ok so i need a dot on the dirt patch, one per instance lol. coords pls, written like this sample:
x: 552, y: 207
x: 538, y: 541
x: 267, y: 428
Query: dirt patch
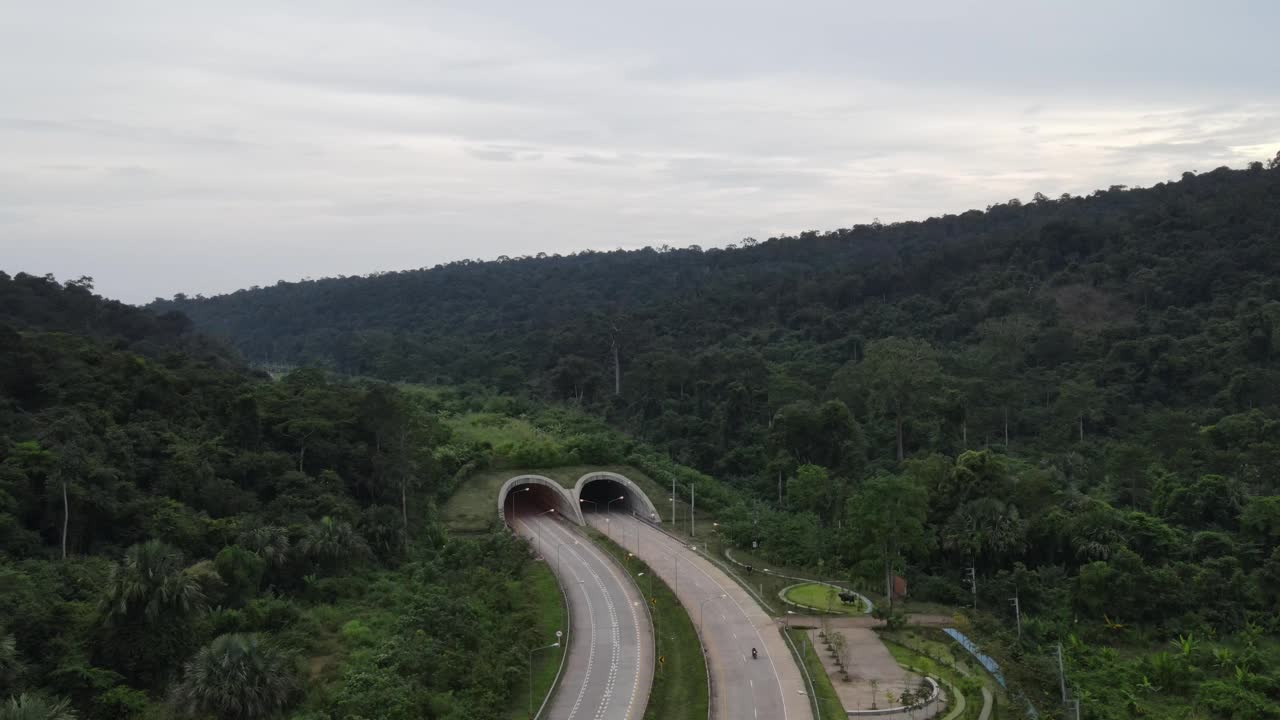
x: 1085, y: 306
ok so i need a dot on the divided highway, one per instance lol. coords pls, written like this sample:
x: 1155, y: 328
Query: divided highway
x: 768, y: 688
x: 609, y: 670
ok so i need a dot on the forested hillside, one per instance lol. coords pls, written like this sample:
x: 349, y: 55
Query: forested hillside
x: 180, y: 537
x: 1078, y: 398
x: 1031, y: 317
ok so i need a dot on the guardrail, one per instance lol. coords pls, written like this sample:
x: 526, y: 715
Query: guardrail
x: 804, y: 667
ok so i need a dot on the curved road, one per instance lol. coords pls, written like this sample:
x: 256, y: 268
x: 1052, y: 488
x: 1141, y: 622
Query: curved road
x: 609, y: 670
x: 742, y: 689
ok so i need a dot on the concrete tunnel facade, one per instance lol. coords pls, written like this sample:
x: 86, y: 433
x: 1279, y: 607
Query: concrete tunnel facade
x: 594, y: 488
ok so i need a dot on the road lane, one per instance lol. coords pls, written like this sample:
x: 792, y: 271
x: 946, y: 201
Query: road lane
x: 609, y: 670
x: 732, y: 623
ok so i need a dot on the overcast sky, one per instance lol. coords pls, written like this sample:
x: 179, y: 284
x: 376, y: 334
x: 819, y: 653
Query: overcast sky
x: 203, y: 147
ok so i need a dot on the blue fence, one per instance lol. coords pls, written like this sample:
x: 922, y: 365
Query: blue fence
x: 987, y: 662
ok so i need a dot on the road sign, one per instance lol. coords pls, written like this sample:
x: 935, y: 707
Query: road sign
x: 559, y: 634
x: 653, y: 601
x: 662, y: 659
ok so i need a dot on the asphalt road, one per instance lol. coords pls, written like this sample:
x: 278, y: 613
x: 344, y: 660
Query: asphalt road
x: 768, y: 688
x: 609, y: 669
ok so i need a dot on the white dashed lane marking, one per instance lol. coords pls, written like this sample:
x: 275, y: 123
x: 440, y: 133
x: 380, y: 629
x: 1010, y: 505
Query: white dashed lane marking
x: 605, y: 709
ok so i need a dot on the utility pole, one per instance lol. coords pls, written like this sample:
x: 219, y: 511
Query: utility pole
x: 973, y: 584
x: 1017, y: 613
x: 673, y: 503
x: 693, y: 507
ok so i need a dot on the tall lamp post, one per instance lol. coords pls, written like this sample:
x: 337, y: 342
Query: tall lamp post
x: 513, y: 502
x: 704, y: 601
x: 555, y: 644
x: 608, y: 511
x: 537, y: 536
x: 675, y: 561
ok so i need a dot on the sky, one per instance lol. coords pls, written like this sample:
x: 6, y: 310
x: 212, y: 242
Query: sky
x: 165, y: 147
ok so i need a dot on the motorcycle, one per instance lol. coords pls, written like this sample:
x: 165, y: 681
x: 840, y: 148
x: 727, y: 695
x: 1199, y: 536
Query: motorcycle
x: 753, y: 654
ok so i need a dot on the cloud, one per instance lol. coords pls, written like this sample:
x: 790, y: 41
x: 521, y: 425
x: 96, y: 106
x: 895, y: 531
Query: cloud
x: 180, y: 147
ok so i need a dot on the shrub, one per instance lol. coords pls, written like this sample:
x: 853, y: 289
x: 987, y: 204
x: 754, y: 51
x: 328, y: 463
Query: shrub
x: 242, y: 571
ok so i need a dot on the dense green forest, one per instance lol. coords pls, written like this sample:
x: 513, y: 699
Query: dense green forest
x: 1076, y: 397
x: 183, y: 537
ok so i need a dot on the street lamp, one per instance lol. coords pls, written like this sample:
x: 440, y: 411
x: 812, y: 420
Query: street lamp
x: 537, y: 536
x: 704, y: 602
x: 608, y: 511
x: 526, y: 488
x: 555, y: 644
x: 595, y: 505
x: 675, y: 560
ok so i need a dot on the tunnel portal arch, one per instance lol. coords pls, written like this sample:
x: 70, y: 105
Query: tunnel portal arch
x: 643, y: 506
x: 566, y: 501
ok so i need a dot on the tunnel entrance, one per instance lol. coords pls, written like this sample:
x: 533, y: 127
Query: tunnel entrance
x: 527, y: 495
x: 531, y: 499
x: 604, y: 495
x: 607, y: 492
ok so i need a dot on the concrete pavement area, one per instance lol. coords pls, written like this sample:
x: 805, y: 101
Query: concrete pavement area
x: 876, y: 679
x: 768, y: 688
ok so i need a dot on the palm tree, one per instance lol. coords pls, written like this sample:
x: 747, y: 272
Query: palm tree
x: 10, y: 662
x: 147, y: 611
x: 331, y: 544
x: 269, y: 542
x: 36, y: 707
x: 149, y: 584
x: 236, y: 677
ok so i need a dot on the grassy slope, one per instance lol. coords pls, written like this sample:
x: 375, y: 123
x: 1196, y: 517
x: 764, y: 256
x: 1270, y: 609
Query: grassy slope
x: 330, y: 635
x: 680, y: 684
x: 544, y: 593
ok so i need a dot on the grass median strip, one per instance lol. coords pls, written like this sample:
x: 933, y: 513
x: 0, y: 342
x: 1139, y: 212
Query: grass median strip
x: 680, y: 676
x: 828, y: 701
x: 545, y: 595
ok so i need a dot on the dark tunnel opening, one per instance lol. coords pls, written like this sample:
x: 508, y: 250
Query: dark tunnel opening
x: 528, y: 499
x: 603, y: 495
